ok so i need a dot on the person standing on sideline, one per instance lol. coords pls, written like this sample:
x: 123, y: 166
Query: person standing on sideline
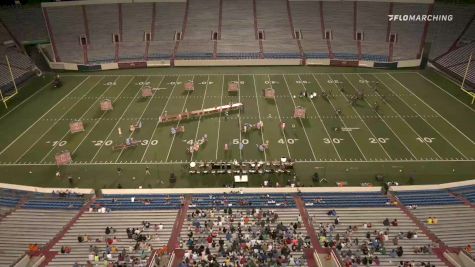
x: 147, y: 171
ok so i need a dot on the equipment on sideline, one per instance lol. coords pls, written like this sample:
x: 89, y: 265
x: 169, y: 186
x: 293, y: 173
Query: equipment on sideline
x: 233, y: 87
x: 269, y: 93
x: 199, y: 113
x: 189, y: 86
x: 76, y: 126
x: 129, y: 143
x: 106, y: 105
x: 299, y: 113
x: 63, y: 158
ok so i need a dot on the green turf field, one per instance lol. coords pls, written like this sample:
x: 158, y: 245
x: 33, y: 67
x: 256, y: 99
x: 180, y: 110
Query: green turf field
x: 422, y: 129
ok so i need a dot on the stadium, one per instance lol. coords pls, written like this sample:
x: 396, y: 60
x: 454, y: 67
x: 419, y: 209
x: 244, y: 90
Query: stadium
x: 328, y: 133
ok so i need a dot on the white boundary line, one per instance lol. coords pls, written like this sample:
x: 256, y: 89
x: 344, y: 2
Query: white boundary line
x: 34, y: 123
x: 158, y: 120
x: 342, y: 121
x: 259, y: 114
x: 199, y: 119
x: 231, y: 73
x: 384, y: 121
x: 472, y: 109
x: 178, y: 123
x: 435, y: 111
x: 84, y: 114
x: 186, y: 162
x: 219, y: 120
x: 358, y: 114
x: 100, y: 118
x: 55, y: 122
x: 320, y: 118
x: 427, y: 121
x: 280, y: 119
x: 239, y: 118
x: 26, y: 99
x: 301, y: 122
x: 404, y: 120
x: 117, y: 123
x: 141, y: 115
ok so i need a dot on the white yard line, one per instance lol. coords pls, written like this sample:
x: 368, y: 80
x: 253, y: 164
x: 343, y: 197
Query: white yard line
x: 280, y: 120
x: 158, y: 120
x: 301, y: 122
x: 404, y: 120
x: 359, y: 116
x: 250, y: 74
x: 343, y: 122
x: 5, y: 164
x: 199, y: 119
x: 219, y: 120
x: 24, y: 100
x: 40, y: 118
x: 259, y: 113
x: 141, y: 115
x: 178, y: 123
x: 387, y: 125
x: 80, y: 118
x: 55, y: 123
x: 100, y: 118
x: 320, y: 118
x: 115, y: 125
x: 239, y: 118
x: 415, y: 111
x: 435, y: 111
x: 450, y: 79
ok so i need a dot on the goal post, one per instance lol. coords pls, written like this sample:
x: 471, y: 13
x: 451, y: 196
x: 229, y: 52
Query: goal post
x: 465, y: 77
x: 4, y: 98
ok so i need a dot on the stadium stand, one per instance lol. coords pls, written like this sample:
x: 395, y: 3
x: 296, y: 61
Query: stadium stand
x: 26, y: 24
x: 243, y: 228
x: 104, y: 23
x: 272, y: 19
x: 306, y: 18
x: 409, y: 33
x: 455, y: 63
x: 443, y: 213
x: 37, y: 222
x: 364, y: 226
x: 374, y: 45
x: 238, y: 38
x: 442, y: 35
x: 339, y: 20
x: 168, y: 21
x: 20, y: 63
x: 202, y: 21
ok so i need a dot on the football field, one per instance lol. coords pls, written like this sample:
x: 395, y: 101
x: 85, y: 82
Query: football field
x: 403, y: 125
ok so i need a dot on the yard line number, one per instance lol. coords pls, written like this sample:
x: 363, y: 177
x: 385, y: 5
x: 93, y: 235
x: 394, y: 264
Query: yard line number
x: 290, y: 141
x: 378, y: 140
x: 57, y: 143
x: 425, y: 139
x: 332, y: 140
x: 145, y: 142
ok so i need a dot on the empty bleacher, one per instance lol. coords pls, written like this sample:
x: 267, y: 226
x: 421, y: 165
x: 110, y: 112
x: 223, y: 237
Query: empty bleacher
x: 409, y: 33
x: 26, y: 24
x: 67, y: 25
x: 306, y: 18
x: 373, y: 46
x: 272, y: 18
x: 104, y: 21
x: 237, y: 32
x: 454, y: 226
x: 339, y: 19
x: 168, y: 21
x: 203, y: 19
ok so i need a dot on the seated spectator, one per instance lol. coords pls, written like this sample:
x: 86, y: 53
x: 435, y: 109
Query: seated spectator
x: 435, y: 220
x: 429, y: 220
x: 394, y: 222
x: 386, y: 222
